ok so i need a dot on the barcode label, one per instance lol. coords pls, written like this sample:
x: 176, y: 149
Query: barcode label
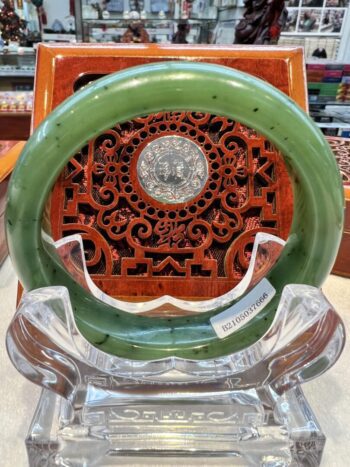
x: 232, y: 319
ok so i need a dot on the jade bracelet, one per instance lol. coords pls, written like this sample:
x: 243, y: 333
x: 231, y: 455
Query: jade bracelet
x: 162, y: 87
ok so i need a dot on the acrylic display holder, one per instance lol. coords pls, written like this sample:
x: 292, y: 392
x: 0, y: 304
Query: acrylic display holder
x: 243, y: 409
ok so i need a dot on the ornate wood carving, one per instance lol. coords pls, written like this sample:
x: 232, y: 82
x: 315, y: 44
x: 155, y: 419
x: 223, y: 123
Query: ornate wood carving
x: 341, y: 149
x: 135, y: 245
x: 131, y: 236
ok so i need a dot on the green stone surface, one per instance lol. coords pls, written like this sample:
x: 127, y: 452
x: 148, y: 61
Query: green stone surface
x: 176, y: 86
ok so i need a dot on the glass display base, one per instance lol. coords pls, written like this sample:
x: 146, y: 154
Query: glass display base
x: 113, y: 423
x: 245, y: 408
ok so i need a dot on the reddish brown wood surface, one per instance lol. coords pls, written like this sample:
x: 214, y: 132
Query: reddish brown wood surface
x: 341, y: 149
x: 14, y: 125
x: 134, y: 245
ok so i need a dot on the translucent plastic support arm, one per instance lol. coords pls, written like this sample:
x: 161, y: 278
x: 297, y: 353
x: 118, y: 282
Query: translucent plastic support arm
x: 266, y: 251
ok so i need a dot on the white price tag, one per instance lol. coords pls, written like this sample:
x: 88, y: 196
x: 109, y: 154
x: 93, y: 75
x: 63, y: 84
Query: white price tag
x: 232, y: 319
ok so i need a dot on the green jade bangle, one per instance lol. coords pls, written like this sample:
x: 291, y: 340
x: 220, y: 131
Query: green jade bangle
x: 176, y: 86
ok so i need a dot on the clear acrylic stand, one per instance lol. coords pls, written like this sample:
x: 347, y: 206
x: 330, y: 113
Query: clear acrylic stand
x: 244, y: 409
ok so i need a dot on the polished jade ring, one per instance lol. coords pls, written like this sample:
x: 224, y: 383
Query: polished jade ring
x: 161, y: 87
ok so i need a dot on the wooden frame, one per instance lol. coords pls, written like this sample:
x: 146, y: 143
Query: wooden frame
x: 60, y: 66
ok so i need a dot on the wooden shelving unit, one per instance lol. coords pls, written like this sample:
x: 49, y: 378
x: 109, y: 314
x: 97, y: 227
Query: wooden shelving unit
x: 14, y: 125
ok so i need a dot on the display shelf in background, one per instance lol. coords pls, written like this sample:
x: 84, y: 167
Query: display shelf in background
x: 16, y: 101
x: 159, y: 30
x: 16, y: 92
x: 313, y: 24
x: 316, y: 25
x: 329, y: 96
x: 51, y: 21
x: 17, y: 69
x: 160, y: 19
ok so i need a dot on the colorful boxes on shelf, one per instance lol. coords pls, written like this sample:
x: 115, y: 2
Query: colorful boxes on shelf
x: 328, y: 82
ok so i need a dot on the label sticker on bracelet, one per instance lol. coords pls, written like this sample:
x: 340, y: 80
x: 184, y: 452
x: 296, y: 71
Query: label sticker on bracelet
x: 232, y: 319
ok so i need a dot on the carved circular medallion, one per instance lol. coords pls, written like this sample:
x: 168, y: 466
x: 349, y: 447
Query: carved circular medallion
x: 172, y: 169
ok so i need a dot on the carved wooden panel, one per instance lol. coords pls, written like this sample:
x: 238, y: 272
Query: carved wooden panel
x: 135, y: 243
x: 341, y: 149
x: 131, y: 236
